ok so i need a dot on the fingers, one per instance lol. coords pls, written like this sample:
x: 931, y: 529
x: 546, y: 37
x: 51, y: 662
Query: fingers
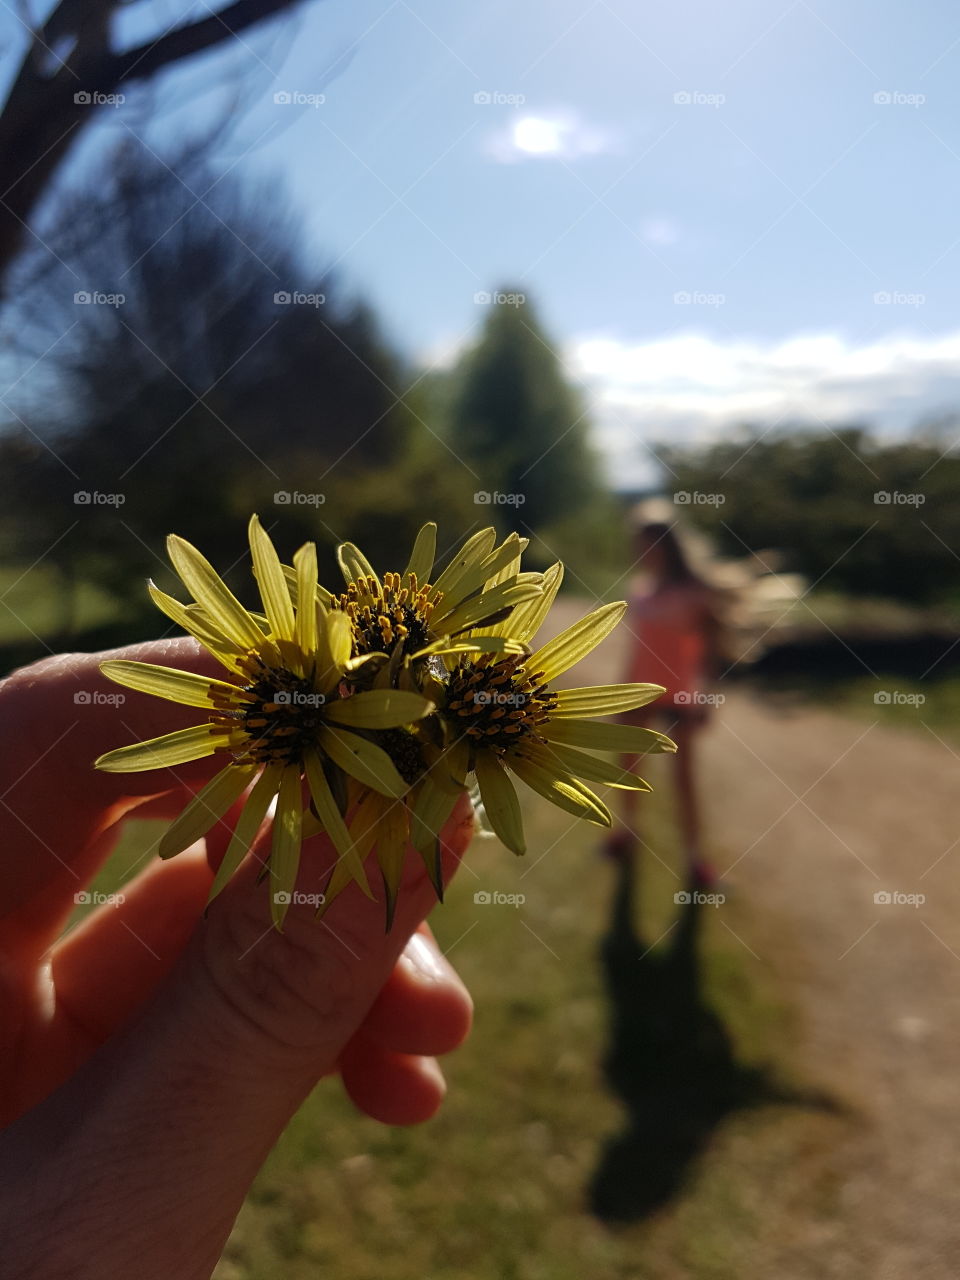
x: 391, y: 1087
x: 424, y: 1008
x: 105, y: 969
x: 388, y: 1068
x: 54, y: 803
x: 177, y: 1112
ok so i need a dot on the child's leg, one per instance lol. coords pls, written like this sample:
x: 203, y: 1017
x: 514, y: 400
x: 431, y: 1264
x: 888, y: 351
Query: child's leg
x: 688, y: 803
x: 625, y: 832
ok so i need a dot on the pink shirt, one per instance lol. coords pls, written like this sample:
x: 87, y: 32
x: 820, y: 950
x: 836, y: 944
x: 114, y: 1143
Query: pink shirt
x: 669, y: 644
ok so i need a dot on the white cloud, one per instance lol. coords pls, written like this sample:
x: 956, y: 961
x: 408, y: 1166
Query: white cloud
x: 661, y: 231
x: 693, y: 386
x: 558, y: 135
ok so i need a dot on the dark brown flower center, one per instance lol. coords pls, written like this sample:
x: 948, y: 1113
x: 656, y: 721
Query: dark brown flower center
x: 398, y: 611
x: 280, y: 711
x: 498, y: 703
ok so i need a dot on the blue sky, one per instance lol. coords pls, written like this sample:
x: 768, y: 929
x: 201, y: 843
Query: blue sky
x: 728, y: 211
x: 803, y: 193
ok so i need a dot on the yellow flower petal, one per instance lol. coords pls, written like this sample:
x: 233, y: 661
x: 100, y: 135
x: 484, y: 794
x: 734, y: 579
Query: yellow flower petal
x: 285, y: 849
x: 290, y: 577
x: 566, y: 649
x: 392, y: 837
x: 305, y: 567
x: 209, y: 590
x: 379, y: 709
x: 507, y: 560
x: 604, y: 700
x: 333, y: 822
x: 354, y: 564
x: 500, y: 801
x: 166, y: 682
x: 563, y: 790
x: 363, y: 760
x: 206, y: 808
x: 430, y: 810
x: 338, y: 880
x: 527, y: 618
x: 484, y: 572
x: 472, y: 552
x: 473, y: 644
x: 423, y: 554
x: 339, y: 638
x: 596, y: 735
x: 173, y: 748
x: 582, y: 765
x: 224, y: 650
x: 273, y: 587
x: 248, y: 824
x: 488, y: 605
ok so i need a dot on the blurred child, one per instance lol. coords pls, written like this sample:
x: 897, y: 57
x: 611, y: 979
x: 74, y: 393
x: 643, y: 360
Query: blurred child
x: 674, y: 634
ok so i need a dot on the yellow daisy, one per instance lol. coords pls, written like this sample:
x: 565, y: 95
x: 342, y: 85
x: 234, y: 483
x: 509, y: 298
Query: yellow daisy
x: 503, y: 716
x: 410, y: 615
x: 286, y: 714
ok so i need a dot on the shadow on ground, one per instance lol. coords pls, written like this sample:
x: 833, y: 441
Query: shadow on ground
x: 670, y: 1060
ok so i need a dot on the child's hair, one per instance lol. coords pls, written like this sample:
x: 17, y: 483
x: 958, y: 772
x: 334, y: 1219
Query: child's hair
x: 744, y: 596
x: 677, y: 556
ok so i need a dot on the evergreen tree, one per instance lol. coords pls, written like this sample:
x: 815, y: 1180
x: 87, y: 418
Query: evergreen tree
x: 520, y: 426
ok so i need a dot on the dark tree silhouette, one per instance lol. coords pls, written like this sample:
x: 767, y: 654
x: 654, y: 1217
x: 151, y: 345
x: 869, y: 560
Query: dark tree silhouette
x: 71, y: 63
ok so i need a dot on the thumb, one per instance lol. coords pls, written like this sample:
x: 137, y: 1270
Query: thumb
x: 174, y: 1115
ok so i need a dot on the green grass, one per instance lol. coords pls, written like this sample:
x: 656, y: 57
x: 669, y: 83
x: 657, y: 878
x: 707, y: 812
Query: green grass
x: 495, y: 1187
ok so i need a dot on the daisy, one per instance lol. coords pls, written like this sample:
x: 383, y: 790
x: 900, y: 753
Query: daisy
x: 421, y: 624
x: 286, y: 714
x: 502, y: 716
x: 412, y: 615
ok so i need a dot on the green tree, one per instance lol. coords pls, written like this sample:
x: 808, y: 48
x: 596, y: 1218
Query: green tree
x: 853, y: 513
x: 520, y: 427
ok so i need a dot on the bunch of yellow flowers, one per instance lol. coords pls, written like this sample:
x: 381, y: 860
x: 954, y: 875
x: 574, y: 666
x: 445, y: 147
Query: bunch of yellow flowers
x: 367, y: 712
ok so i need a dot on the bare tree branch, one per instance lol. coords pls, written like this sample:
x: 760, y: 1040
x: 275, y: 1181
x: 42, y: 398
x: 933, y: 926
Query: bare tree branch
x: 48, y: 104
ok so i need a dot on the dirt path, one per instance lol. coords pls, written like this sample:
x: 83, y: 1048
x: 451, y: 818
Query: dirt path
x: 812, y: 814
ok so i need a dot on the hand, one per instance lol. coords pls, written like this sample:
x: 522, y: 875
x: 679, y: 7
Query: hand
x: 151, y: 1058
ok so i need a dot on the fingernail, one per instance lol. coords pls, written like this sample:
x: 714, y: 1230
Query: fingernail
x: 423, y: 956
